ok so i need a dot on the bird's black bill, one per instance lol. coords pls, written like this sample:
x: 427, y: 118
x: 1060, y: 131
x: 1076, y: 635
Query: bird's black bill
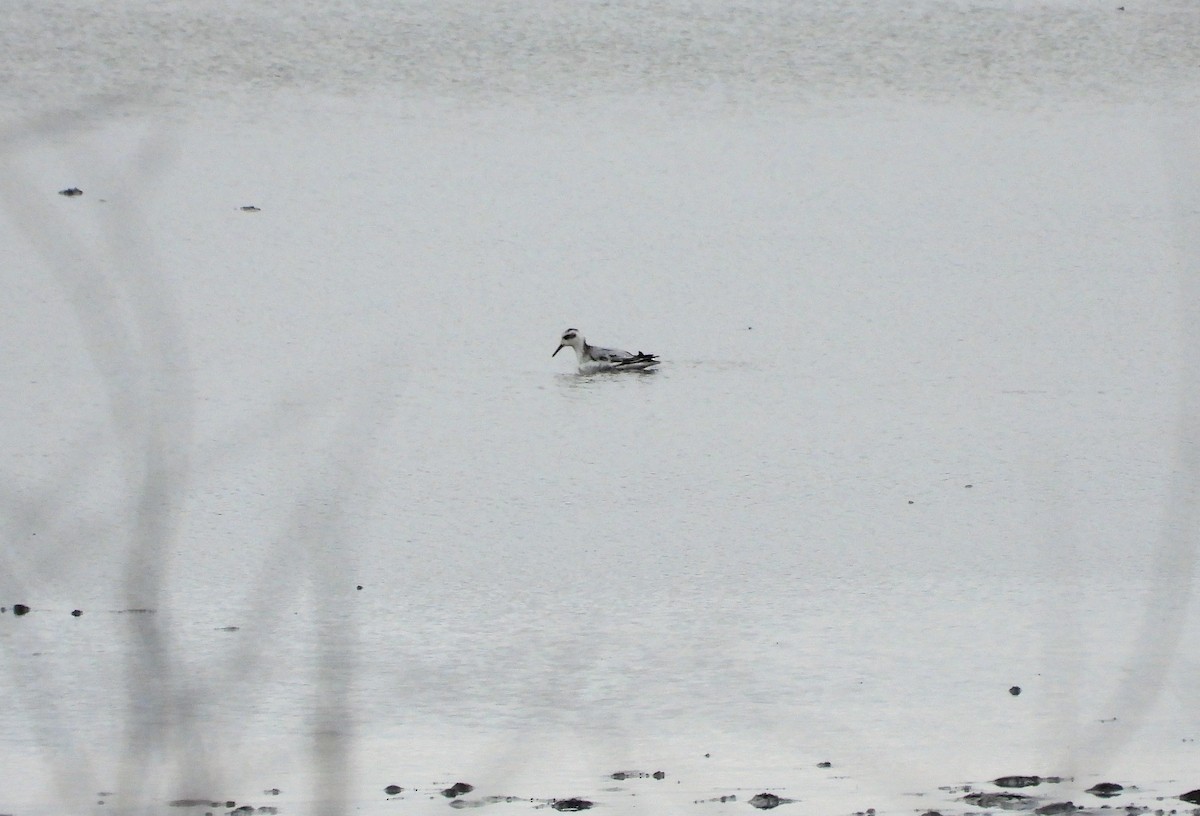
x: 561, y: 346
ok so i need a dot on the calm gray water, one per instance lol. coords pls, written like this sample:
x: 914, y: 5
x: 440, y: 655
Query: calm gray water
x: 922, y: 432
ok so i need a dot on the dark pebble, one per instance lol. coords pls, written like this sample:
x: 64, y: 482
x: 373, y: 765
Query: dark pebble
x: 359, y: 587
x: 231, y: 803
x: 20, y: 609
x: 244, y: 810
x: 1192, y: 797
x: 392, y: 790
x: 250, y: 208
x: 1014, y: 691
x: 765, y: 801
x: 272, y: 792
x: 1004, y: 801
x: 824, y: 764
x: 659, y: 775
x: 71, y: 192
x: 571, y: 804
x: 1056, y: 808
x: 1017, y: 781
x: 75, y: 613
x: 188, y: 803
x: 1105, y: 789
x: 457, y: 789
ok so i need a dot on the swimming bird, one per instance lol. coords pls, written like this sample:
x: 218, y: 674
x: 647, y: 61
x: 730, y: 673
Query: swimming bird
x: 594, y: 358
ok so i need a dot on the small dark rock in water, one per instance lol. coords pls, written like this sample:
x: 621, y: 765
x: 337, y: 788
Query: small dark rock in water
x: 1014, y: 691
x: 267, y: 810
x: 824, y: 764
x: 230, y: 804
x: 250, y: 208
x: 392, y: 790
x: 1105, y: 789
x: 190, y: 803
x: 1004, y: 801
x: 75, y: 613
x: 1017, y: 781
x: 1056, y: 808
x: 638, y: 775
x: 1192, y: 797
x: 766, y: 801
x: 457, y: 789
x: 272, y: 792
x: 20, y: 609
x: 71, y: 192
x: 359, y: 587
x: 244, y: 810
x: 228, y: 628
x: 931, y: 813
x: 574, y: 803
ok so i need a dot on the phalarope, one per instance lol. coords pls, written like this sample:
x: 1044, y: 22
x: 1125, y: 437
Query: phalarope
x: 594, y: 358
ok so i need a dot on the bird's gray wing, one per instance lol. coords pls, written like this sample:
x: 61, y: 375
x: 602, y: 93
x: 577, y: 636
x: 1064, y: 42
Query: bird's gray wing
x: 610, y: 355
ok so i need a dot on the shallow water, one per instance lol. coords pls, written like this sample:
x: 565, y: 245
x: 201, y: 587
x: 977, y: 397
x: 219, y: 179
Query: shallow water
x: 921, y: 434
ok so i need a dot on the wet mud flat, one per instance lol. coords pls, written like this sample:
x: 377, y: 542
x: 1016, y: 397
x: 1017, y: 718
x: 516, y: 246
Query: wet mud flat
x: 655, y: 790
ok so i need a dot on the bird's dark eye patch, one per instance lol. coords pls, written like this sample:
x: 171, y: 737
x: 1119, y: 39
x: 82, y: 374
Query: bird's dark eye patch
x: 569, y: 336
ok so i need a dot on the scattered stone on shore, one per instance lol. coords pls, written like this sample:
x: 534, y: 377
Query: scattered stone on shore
x: 1014, y: 690
x: 250, y: 208
x: 1056, y: 808
x: 824, y: 764
x: 228, y: 628
x: 1004, y: 801
x: 75, y: 613
x: 191, y: 803
x: 457, y: 789
x: 392, y: 790
x: 1105, y: 790
x: 766, y: 801
x: 20, y: 609
x: 572, y: 804
x: 271, y: 792
x: 244, y: 810
x: 71, y: 192
x: 1192, y: 797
